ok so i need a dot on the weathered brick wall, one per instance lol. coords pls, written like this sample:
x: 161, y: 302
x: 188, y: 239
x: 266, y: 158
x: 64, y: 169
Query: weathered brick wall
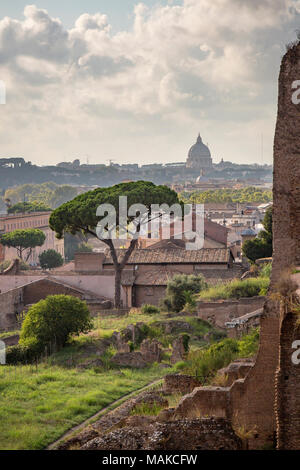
x: 32, y: 293
x: 180, y: 383
x: 220, y: 312
x: 11, y: 303
x: 287, y: 403
x: 286, y: 235
x: 243, y: 325
x: 148, y: 295
x: 252, y: 399
x: 205, y: 401
x: 286, y: 191
x: 89, y: 262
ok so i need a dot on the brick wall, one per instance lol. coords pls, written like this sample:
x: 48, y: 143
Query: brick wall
x: 287, y: 402
x: 220, y: 312
x: 286, y: 235
x: 148, y: 295
x: 89, y: 262
x: 36, y: 291
x: 180, y: 383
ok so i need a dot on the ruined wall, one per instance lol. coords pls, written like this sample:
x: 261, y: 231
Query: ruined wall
x: 180, y: 383
x: 271, y: 388
x: 286, y: 234
x: 287, y: 403
x: 220, y: 312
x: 286, y: 190
x: 249, y: 402
x: 243, y: 325
x: 11, y: 303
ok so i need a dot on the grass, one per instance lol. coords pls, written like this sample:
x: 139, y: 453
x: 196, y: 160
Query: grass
x: 38, y: 406
x: 204, y: 363
x: 147, y: 409
x: 236, y: 289
x: 105, y: 326
x: 174, y: 399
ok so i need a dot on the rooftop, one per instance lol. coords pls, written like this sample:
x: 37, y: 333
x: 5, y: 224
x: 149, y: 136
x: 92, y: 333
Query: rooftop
x: 175, y: 256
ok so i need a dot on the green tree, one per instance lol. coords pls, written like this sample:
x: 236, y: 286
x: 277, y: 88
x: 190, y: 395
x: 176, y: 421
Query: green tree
x: 23, y: 240
x: 50, y: 259
x: 28, y: 207
x: 49, y: 194
x: 53, y: 320
x: 179, y: 289
x: 261, y: 247
x: 257, y: 248
x: 79, y: 215
x: 30, y: 192
x: 61, y: 195
x: 244, y: 195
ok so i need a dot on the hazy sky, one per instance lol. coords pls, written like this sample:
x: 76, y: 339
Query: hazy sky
x: 136, y: 82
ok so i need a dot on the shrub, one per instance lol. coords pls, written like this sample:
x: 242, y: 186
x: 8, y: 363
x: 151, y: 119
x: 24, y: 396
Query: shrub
x: 260, y: 247
x: 185, y: 341
x: 50, y: 259
x: 148, y: 308
x: 179, y: 287
x: 53, y: 320
x: 28, y: 352
x: 190, y: 301
x: 248, y: 344
x: 204, y: 363
x: 236, y: 289
x: 266, y: 270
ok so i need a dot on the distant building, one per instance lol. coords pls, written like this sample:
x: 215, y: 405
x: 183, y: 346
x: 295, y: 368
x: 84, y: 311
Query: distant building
x: 199, y: 157
x: 40, y: 220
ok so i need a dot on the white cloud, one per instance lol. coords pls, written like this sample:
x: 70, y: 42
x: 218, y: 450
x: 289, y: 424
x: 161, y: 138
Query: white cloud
x: 177, y: 63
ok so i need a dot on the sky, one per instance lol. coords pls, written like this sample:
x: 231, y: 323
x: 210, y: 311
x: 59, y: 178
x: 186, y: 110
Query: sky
x: 134, y: 82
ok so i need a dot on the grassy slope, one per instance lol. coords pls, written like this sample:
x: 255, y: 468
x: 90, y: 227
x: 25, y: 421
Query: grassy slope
x: 38, y: 406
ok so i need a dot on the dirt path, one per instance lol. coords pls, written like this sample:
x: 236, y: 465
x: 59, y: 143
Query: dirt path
x: 101, y: 413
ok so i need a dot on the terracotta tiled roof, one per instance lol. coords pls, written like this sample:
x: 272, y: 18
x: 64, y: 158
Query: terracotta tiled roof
x: 175, y: 256
x: 157, y: 278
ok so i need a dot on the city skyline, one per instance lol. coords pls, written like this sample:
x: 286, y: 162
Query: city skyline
x: 135, y: 82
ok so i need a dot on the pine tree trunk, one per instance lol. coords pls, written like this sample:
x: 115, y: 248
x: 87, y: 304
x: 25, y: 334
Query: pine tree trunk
x: 118, y: 273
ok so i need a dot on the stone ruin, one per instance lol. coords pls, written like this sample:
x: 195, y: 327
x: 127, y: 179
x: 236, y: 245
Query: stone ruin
x: 266, y: 402
x: 178, y: 352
